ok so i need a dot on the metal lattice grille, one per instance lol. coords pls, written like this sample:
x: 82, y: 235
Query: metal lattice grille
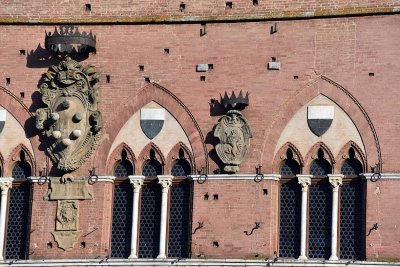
x: 320, y: 220
x: 320, y: 167
x: 351, y: 167
x: 179, y: 221
x: 181, y: 168
x: 351, y: 221
x: 290, y: 220
x: 289, y: 168
x: 122, y: 221
x: 150, y: 217
x: 18, y: 222
x: 21, y: 170
x: 152, y: 168
x: 123, y: 169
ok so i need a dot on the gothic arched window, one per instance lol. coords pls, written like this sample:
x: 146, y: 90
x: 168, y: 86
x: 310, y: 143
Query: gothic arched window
x: 22, y: 169
x: 152, y: 167
x: 320, y: 166
x: 289, y: 166
x: 181, y: 167
x: 124, y: 167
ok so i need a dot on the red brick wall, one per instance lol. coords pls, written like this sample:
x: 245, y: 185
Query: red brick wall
x: 383, y: 208
x: 95, y: 213
x: 139, y: 11
x: 240, y: 204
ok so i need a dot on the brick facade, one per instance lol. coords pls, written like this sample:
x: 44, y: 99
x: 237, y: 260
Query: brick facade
x: 349, y: 59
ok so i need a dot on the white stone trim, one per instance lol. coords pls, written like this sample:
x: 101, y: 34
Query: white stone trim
x: 197, y: 262
x: 166, y: 183
x: 5, y: 185
x: 273, y: 177
x: 136, y: 182
x: 305, y: 182
x: 393, y: 176
x: 106, y: 179
x: 3, y: 114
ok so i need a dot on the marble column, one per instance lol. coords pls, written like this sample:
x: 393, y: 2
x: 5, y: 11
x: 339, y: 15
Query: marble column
x: 136, y: 182
x: 166, y: 183
x: 305, y: 182
x: 5, y: 185
x: 336, y: 181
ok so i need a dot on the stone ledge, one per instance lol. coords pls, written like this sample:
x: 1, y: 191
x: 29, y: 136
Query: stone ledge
x: 272, y: 177
x: 196, y: 262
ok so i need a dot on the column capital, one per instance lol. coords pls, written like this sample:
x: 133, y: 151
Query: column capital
x: 335, y: 180
x: 6, y: 183
x: 165, y: 181
x: 136, y: 181
x: 304, y: 181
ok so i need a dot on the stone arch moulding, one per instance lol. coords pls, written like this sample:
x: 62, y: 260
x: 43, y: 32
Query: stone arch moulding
x: 313, y: 155
x: 173, y: 155
x: 145, y: 156
x: 116, y: 156
x: 281, y: 155
x: 343, y: 98
x: 15, y: 157
x: 166, y: 99
x: 1, y: 165
x: 344, y: 154
x: 17, y: 108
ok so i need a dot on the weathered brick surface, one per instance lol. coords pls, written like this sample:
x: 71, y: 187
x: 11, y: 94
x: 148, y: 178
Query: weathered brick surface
x: 139, y: 11
x: 345, y: 50
x: 240, y: 204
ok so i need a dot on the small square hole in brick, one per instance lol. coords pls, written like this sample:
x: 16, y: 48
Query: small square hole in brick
x: 371, y: 74
x: 22, y: 52
x: 147, y: 79
x: 182, y: 7
x: 141, y: 67
x: 228, y: 5
x: 206, y: 196
x: 255, y: 2
x: 203, y: 78
x: 8, y: 80
x: 22, y: 94
x: 83, y: 245
x: 273, y: 59
x: 215, y: 244
x: 210, y: 66
x: 49, y: 245
x: 265, y: 191
x: 88, y: 7
x: 166, y: 50
x: 215, y: 196
x: 108, y: 78
x: 295, y: 77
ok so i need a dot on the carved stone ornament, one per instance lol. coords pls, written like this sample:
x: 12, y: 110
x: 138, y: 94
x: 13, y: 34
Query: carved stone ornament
x: 71, y: 122
x: 67, y: 215
x: 66, y: 239
x: 68, y: 190
x: 233, y: 132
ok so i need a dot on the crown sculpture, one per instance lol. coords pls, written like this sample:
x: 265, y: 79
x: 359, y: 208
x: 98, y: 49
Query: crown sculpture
x: 69, y: 40
x: 233, y: 132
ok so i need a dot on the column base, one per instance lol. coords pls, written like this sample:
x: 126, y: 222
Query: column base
x: 161, y: 256
x: 333, y: 258
x: 302, y: 258
x: 132, y: 256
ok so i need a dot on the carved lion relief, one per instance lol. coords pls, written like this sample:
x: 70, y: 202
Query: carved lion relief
x: 71, y: 122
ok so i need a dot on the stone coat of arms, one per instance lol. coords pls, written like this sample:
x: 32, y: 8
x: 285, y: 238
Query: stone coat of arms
x: 71, y: 122
x: 233, y: 132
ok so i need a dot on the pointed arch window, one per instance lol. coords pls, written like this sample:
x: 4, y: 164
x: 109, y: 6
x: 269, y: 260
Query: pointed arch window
x: 181, y: 167
x: 320, y: 166
x: 152, y: 167
x: 352, y: 210
x: 290, y: 208
x: 124, y: 167
x: 22, y: 169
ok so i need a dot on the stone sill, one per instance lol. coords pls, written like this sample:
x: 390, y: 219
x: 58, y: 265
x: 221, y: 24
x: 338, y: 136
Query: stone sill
x: 194, y: 262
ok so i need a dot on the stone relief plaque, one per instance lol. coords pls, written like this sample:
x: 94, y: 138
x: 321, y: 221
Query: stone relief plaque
x: 233, y: 132
x: 71, y: 122
x: 67, y: 215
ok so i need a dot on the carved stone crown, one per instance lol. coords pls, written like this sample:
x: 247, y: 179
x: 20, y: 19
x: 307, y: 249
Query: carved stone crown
x: 235, y: 102
x: 69, y: 40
